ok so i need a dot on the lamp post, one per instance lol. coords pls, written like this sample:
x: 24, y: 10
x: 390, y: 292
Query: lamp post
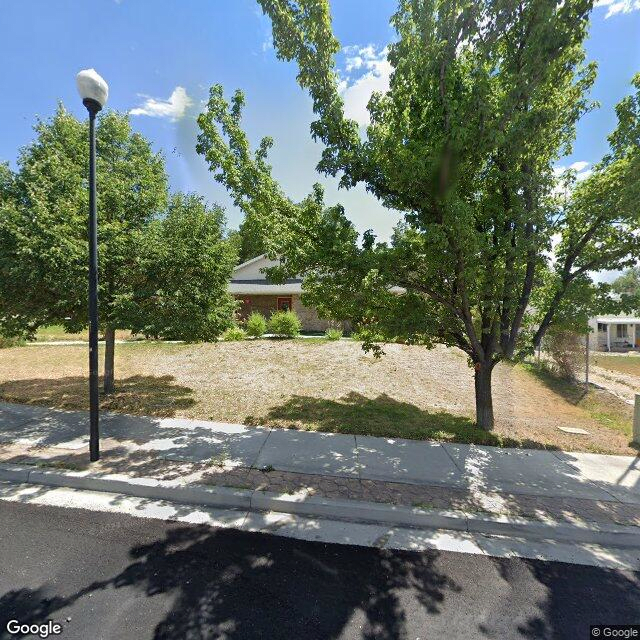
x: 94, y: 92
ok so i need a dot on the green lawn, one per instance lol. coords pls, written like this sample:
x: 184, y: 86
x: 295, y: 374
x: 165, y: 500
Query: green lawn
x: 55, y: 333
x: 620, y: 364
x: 601, y: 406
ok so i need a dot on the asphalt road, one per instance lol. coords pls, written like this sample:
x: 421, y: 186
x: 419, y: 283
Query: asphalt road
x: 112, y: 576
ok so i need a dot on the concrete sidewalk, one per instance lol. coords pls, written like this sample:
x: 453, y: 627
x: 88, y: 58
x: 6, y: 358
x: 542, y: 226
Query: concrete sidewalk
x: 458, y: 466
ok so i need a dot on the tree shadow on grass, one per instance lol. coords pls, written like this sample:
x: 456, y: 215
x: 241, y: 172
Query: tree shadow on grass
x: 139, y: 395
x: 203, y: 583
x: 383, y: 416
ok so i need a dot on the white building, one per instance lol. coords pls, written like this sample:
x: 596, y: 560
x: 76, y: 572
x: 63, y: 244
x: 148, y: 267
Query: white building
x: 615, y: 333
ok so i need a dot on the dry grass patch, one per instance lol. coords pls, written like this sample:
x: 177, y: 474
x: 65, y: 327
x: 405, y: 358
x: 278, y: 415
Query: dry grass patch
x: 325, y: 386
x: 55, y: 333
x: 620, y: 364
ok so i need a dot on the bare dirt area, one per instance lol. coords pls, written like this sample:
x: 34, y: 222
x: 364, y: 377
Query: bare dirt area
x: 618, y: 374
x: 327, y: 386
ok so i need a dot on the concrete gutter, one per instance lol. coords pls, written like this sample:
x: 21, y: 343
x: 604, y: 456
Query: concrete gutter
x: 317, y: 507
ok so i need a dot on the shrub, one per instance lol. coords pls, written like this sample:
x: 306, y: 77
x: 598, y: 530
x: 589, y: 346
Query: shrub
x: 566, y: 351
x: 333, y: 334
x: 10, y: 341
x: 233, y: 334
x: 285, y: 323
x: 363, y: 334
x: 256, y: 325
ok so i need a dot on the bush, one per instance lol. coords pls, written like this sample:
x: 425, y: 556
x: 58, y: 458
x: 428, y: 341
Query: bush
x: 566, y: 351
x: 285, y: 323
x: 7, y: 341
x: 333, y: 334
x: 256, y: 325
x: 233, y: 334
x: 361, y: 333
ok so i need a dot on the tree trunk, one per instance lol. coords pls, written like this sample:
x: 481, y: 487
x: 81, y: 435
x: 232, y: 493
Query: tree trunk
x: 109, y: 352
x: 484, y: 399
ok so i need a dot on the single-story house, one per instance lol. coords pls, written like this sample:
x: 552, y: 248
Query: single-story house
x: 251, y: 287
x: 615, y: 333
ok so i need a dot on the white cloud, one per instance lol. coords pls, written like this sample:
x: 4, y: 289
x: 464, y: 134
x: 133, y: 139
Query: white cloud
x: 375, y: 71
x: 615, y: 7
x: 580, y: 167
x: 174, y: 108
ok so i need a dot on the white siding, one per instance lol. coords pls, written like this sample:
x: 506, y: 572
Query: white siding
x: 251, y: 270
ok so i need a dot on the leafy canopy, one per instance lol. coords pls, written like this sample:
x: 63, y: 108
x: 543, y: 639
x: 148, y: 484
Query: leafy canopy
x: 163, y: 266
x: 43, y: 237
x: 483, y: 100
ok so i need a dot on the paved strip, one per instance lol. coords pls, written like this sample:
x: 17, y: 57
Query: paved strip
x: 182, y: 491
x: 323, y: 529
x: 478, y: 468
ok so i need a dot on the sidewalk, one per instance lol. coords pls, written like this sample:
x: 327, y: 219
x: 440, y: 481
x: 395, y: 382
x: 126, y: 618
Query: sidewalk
x: 545, y: 486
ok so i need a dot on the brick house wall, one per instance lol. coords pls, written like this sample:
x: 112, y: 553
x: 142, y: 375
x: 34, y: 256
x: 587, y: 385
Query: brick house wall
x: 267, y: 304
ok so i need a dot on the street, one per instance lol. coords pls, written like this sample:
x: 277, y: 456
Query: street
x: 111, y: 576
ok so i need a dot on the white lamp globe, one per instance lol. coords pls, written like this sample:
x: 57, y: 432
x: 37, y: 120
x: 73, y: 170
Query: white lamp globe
x: 92, y: 86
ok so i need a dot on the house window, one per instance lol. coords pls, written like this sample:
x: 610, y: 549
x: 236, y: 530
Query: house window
x: 285, y: 303
x: 602, y: 327
x: 621, y: 330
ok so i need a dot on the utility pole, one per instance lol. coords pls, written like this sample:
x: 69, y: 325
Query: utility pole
x: 94, y: 92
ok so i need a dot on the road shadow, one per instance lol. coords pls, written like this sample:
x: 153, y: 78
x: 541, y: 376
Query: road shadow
x: 204, y: 583
x: 140, y: 395
x: 383, y: 416
x: 558, y: 615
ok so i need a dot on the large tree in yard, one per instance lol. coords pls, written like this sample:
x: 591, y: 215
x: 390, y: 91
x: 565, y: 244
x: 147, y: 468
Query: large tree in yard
x: 183, y: 275
x: 483, y: 100
x: 153, y: 261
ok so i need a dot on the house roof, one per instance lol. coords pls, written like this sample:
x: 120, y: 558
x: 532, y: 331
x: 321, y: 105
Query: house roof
x: 249, y: 278
x: 264, y: 287
x: 248, y: 262
x: 618, y: 320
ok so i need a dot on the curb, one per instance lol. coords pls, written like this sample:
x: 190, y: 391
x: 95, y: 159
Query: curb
x: 313, y: 506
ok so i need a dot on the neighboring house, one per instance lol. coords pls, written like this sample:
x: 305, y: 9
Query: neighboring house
x: 615, y: 333
x: 249, y: 285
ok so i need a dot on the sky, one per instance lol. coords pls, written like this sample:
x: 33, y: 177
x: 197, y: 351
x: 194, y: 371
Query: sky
x: 160, y: 57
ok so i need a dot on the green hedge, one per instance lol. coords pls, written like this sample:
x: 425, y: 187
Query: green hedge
x: 285, y: 323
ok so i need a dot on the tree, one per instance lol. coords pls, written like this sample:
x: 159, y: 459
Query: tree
x: 628, y: 282
x: 185, y: 268
x: 483, y: 100
x: 43, y: 243
x: 251, y: 239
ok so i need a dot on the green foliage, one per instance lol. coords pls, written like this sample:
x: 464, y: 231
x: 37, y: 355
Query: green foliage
x: 285, y: 323
x: 234, y: 334
x: 7, y: 342
x: 333, y: 334
x: 256, y: 325
x: 483, y: 100
x: 162, y: 271
x: 43, y: 222
x: 251, y: 239
x: 234, y: 240
x: 185, y: 265
x: 628, y: 282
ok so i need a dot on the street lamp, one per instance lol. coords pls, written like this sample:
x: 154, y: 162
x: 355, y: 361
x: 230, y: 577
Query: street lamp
x: 94, y: 92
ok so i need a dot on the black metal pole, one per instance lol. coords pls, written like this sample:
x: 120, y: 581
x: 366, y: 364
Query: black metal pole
x: 94, y: 408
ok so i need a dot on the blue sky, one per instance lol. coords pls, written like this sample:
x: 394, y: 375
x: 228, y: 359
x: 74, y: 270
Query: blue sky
x: 160, y: 57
